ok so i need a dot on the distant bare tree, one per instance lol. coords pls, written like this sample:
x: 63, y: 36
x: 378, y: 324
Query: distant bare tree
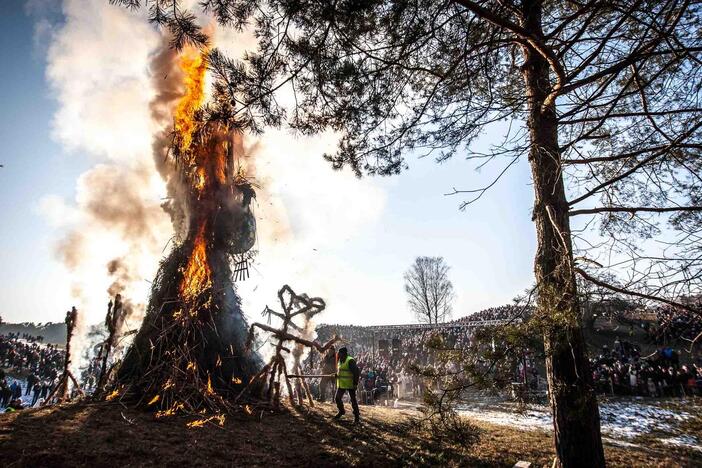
x: 429, y: 290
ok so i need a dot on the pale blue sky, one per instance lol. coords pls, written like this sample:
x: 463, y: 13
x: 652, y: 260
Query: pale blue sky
x: 33, y: 166
x: 489, y: 246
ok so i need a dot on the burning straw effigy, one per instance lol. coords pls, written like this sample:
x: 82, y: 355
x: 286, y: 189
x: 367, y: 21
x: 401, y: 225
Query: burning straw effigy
x: 275, y: 373
x: 192, y: 353
x: 189, y: 354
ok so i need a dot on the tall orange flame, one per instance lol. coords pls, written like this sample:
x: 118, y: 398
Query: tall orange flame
x: 205, y: 150
x: 193, y: 66
x: 196, y: 276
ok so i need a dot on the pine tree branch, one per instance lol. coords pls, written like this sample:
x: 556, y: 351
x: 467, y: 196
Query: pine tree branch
x: 535, y: 42
x: 622, y: 209
x: 618, y: 289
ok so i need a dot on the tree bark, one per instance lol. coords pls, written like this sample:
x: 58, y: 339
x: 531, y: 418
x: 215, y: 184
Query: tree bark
x: 576, y: 420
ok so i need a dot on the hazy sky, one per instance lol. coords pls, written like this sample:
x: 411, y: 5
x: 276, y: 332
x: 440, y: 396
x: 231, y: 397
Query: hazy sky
x: 351, y: 240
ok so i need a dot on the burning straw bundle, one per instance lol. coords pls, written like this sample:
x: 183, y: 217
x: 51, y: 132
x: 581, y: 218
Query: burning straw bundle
x: 189, y: 354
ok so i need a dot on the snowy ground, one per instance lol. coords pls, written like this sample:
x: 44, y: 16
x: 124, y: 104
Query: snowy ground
x: 624, y: 420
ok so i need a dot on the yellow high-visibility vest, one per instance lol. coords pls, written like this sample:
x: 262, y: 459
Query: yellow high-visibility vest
x: 344, y: 376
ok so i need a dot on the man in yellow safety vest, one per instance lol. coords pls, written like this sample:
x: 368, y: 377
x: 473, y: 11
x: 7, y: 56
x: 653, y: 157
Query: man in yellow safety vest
x: 347, y: 375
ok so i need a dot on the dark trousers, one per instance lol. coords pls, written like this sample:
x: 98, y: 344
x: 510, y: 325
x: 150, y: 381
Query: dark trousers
x: 340, y: 404
x: 6, y: 397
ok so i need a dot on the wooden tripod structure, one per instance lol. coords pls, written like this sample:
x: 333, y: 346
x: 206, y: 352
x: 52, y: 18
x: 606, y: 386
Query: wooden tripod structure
x: 113, y: 321
x: 60, y: 392
x: 276, y: 371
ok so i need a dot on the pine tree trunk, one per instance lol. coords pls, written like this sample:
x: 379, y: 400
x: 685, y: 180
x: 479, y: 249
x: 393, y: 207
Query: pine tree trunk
x: 576, y: 420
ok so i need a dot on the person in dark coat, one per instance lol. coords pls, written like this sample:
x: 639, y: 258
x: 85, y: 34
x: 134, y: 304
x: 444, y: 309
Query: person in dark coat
x: 31, y: 381
x: 37, y: 393
x: 16, y: 390
x: 5, y: 393
x: 45, y: 387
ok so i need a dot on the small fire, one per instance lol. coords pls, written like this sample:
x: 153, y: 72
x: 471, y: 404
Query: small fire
x: 210, y: 391
x: 154, y: 400
x: 200, y: 179
x: 219, y: 419
x: 197, y: 276
x: 170, y: 411
x: 113, y: 395
x: 196, y: 423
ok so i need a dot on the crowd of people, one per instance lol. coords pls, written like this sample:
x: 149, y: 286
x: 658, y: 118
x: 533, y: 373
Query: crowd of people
x: 388, y: 355
x: 501, y: 313
x: 384, y: 376
x: 673, y: 325
x: 39, y: 364
x: 622, y: 370
x: 25, y: 336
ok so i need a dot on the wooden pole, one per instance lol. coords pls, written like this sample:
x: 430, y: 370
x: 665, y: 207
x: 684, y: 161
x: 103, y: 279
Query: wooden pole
x: 310, y: 376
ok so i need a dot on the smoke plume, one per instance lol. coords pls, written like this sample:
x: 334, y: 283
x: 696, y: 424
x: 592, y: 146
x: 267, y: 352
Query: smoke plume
x: 115, y: 82
x: 97, y: 67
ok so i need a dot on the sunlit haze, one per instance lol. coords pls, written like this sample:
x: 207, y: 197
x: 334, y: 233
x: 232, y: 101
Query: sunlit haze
x: 75, y: 99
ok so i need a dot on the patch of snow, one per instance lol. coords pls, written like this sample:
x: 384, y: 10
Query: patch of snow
x: 629, y: 419
x: 622, y: 420
x: 684, y: 441
x: 619, y: 442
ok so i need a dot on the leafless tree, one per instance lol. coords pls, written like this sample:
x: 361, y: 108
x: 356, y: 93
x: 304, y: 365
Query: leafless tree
x: 429, y: 290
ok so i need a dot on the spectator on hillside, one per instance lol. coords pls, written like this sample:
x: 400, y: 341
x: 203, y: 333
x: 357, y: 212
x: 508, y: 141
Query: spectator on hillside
x: 15, y: 405
x: 16, y: 389
x: 36, y: 393
x: 31, y: 381
x: 5, y: 393
x: 622, y: 371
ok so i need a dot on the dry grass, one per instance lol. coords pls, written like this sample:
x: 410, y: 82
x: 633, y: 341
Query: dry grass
x: 110, y: 435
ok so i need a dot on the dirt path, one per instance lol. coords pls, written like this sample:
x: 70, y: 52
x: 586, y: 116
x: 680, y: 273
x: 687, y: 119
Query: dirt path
x: 110, y: 435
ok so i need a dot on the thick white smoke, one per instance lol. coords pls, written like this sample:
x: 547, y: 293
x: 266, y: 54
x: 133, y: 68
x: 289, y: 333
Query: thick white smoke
x: 114, y: 231
x: 101, y: 66
x: 306, y: 212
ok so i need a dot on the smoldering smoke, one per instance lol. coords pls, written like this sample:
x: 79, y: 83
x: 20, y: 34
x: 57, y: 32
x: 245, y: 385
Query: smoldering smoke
x: 112, y: 200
